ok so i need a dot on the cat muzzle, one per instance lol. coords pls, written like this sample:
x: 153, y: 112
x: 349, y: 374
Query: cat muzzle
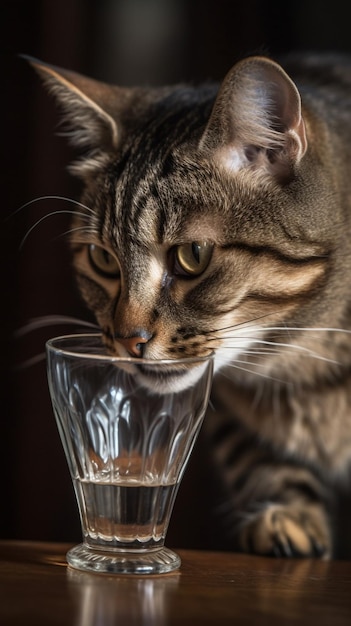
x: 134, y: 345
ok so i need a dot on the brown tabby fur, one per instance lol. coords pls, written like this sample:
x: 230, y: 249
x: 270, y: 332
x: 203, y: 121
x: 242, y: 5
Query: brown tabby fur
x: 260, y: 171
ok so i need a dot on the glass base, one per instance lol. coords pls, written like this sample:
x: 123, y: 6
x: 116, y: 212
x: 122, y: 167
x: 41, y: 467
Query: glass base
x: 159, y: 561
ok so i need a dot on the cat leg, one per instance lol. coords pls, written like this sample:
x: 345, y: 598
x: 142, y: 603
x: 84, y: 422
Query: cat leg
x: 292, y: 521
x: 270, y: 505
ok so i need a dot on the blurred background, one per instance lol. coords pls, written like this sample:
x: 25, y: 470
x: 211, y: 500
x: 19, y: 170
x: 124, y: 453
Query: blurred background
x: 146, y: 42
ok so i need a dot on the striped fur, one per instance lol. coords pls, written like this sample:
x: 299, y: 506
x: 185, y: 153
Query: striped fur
x: 257, y: 179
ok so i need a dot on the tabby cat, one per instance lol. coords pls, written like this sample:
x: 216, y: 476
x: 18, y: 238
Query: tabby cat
x: 219, y: 219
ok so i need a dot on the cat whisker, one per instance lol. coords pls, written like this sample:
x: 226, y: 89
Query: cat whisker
x: 255, y: 373
x: 295, y: 347
x: 51, y: 320
x: 30, y: 362
x: 256, y: 340
x: 266, y: 352
x: 211, y: 405
x: 240, y: 325
x: 246, y: 362
x: 287, y: 329
x: 51, y: 197
x: 316, y: 329
x: 45, y: 217
x: 266, y: 342
x: 85, y: 230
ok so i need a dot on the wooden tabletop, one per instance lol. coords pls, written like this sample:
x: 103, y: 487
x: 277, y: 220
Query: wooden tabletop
x: 37, y: 588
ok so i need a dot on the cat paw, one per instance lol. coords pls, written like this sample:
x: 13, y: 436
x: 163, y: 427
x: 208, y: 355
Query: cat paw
x: 287, y: 531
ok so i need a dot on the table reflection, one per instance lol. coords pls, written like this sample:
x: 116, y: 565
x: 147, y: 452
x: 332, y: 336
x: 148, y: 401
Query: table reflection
x: 110, y: 600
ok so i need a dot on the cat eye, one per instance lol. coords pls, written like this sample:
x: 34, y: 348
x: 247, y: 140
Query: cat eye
x: 191, y: 259
x: 103, y: 262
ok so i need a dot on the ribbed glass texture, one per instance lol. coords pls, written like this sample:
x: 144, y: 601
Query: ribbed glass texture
x: 127, y: 427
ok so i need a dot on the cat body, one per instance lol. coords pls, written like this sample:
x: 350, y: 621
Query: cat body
x: 218, y: 218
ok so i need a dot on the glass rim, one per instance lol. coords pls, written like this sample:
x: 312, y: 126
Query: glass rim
x: 115, y: 358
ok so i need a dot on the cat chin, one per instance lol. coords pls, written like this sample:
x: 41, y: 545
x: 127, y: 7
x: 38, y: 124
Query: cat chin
x: 170, y: 380
x: 171, y: 377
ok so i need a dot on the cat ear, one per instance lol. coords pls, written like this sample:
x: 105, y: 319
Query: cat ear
x: 256, y: 120
x: 90, y: 124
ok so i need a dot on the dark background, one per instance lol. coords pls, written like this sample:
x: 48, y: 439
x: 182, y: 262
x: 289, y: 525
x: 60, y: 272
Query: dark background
x: 127, y: 42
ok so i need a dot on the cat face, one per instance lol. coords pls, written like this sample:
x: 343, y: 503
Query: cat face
x: 196, y: 235
x: 174, y: 273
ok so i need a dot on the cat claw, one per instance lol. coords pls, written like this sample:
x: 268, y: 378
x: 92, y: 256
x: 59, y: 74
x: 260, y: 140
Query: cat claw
x: 286, y: 549
x: 285, y: 533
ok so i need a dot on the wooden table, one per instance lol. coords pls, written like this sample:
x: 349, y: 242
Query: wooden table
x: 37, y: 588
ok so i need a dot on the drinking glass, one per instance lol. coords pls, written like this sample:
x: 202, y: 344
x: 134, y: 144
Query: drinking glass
x: 127, y: 426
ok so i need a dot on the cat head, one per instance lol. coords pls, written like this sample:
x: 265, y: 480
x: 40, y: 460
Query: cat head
x: 194, y: 235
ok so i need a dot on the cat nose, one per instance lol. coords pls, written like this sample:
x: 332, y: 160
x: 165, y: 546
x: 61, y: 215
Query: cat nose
x: 134, y: 345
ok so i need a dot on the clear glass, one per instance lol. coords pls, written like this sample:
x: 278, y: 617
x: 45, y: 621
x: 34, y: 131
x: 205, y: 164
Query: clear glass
x: 127, y: 427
